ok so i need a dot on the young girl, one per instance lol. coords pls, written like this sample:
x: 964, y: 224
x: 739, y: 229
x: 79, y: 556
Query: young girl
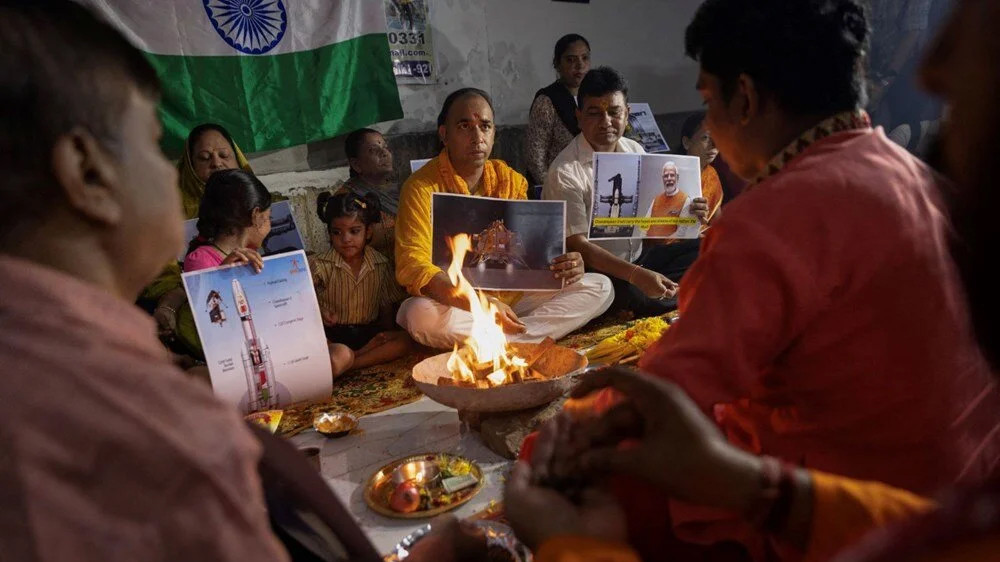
x: 233, y: 220
x: 355, y: 284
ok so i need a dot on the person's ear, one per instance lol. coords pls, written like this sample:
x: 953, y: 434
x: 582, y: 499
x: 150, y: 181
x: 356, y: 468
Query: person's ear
x: 259, y: 217
x: 88, y: 177
x: 442, y: 134
x: 746, y: 100
x: 686, y: 143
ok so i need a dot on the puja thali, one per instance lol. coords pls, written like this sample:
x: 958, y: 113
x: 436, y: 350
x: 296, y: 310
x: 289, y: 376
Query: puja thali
x: 423, y: 486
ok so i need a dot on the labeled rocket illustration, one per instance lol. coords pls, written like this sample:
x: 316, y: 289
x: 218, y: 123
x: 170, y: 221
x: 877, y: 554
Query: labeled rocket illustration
x: 261, y: 388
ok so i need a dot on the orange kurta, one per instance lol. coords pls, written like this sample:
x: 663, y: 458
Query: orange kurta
x: 844, y: 511
x: 666, y: 206
x: 857, y: 361
x: 852, y: 360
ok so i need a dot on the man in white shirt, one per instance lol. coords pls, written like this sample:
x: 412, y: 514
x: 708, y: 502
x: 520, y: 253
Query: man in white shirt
x: 603, y: 114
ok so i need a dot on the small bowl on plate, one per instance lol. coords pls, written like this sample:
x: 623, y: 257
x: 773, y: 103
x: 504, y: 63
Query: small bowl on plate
x: 334, y: 424
x: 422, y: 472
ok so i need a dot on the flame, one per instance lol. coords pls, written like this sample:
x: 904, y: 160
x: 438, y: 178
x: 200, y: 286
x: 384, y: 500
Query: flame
x: 486, y: 345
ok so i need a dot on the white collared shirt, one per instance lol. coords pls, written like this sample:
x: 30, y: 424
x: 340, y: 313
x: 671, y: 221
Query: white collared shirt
x: 571, y: 179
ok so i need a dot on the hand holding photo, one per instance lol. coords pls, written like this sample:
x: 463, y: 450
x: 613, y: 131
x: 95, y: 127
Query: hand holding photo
x: 513, y: 242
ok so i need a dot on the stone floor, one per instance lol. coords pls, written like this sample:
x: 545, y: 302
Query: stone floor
x: 420, y: 427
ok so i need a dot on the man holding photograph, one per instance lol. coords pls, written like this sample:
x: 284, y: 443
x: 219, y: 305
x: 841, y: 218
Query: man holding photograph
x: 437, y: 314
x: 603, y: 113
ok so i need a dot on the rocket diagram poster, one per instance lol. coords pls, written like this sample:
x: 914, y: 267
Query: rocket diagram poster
x: 262, y: 332
x: 644, y: 196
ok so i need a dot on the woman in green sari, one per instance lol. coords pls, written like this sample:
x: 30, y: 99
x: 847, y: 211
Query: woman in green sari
x: 209, y: 148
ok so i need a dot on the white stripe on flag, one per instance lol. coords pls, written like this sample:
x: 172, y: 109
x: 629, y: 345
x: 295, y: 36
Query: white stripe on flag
x: 182, y: 27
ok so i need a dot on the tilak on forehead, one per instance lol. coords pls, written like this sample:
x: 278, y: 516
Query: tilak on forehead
x: 605, y: 105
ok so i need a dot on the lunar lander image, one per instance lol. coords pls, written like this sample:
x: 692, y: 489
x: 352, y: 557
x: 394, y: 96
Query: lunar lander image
x: 261, y: 385
x: 498, y: 245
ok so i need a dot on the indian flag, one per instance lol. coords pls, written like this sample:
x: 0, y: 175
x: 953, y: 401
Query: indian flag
x: 276, y: 73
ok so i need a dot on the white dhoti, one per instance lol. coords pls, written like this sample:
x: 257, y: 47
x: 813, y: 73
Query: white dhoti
x: 544, y: 313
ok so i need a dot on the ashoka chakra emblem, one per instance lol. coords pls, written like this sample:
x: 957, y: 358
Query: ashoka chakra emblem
x: 253, y: 27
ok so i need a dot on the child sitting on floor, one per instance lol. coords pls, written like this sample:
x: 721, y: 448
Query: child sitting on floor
x: 233, y: 220
x: 355, y: 284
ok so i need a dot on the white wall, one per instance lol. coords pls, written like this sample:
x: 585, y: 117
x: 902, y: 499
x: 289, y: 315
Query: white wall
x: 505, y: 47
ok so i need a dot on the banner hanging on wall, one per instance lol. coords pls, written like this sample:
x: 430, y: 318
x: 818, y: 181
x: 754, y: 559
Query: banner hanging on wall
x: 410, y: 44
x: 276, y: 73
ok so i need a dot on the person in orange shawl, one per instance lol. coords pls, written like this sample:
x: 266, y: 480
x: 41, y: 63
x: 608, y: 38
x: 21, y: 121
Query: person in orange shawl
x: 796, y: 342
x: 436, y: 315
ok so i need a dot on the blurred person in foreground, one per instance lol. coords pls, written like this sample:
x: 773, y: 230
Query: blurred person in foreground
x: 805, y: 514
x: 798, y: 341
x: 109, y: 452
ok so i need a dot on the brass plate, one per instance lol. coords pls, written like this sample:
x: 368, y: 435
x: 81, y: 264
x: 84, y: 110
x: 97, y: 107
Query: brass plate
x: 379, y: 488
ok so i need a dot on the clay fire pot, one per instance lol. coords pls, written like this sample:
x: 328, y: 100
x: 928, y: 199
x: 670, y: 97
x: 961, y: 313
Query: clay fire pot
x: 558, y: 364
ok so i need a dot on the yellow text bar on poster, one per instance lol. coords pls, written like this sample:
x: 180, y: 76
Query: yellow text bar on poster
x: 646, y: 222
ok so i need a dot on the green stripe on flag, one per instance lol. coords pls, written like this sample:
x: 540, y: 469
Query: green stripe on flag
x: 271, y: 102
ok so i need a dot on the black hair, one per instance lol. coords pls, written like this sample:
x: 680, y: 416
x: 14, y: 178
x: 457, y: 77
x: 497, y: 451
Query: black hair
x: 601, y: 81
x: 231, y: 196
x: 347, y: 204
x: 457, y: 95
x: 200, y: 130
x: 563, y: 43
x: 352, y: 145
x: 805, y: 54
x: 61, y: 68
x: 692, y: 124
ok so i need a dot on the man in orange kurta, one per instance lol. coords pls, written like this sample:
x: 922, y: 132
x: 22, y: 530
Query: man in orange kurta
x: 799, y: 341
x: 671, y: 203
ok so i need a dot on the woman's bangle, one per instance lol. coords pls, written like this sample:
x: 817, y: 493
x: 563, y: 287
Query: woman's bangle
x: 165, y: 307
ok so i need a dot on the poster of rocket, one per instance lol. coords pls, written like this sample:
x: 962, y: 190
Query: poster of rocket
x: 261, y: 332
x: 644, y: 196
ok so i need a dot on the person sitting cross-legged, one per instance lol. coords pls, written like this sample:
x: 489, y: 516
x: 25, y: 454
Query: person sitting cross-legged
x: 436, y: 315
x: 640, y: 287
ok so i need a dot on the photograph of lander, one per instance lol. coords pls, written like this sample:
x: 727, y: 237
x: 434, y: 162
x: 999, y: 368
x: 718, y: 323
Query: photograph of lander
x: 513, y: 241
x: 262, y: 392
